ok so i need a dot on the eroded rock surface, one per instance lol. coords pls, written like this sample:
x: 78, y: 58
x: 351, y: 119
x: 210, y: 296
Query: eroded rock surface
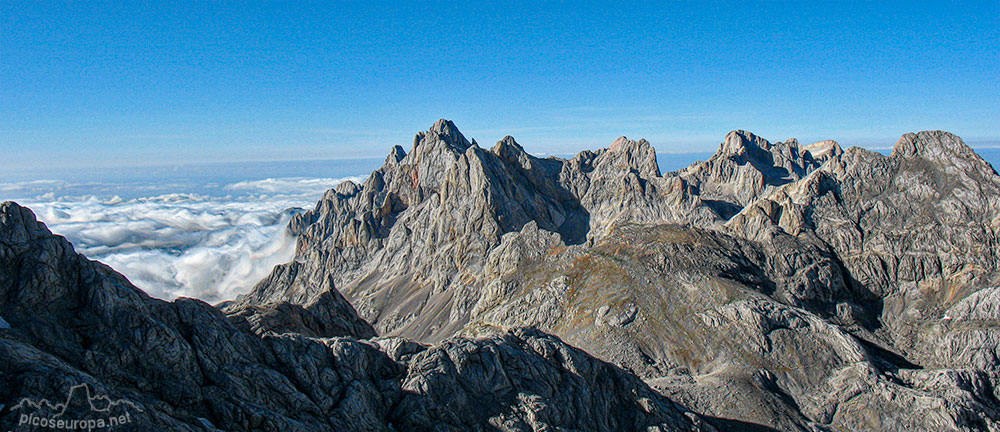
x: 184, y: 366
x: 747, y: 166
x: 917, y: 232
x: 410, y: 247
x: 789, y: 286
x: 773, y: 286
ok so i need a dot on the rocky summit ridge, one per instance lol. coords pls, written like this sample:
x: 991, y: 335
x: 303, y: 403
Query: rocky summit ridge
x: 774, y: 286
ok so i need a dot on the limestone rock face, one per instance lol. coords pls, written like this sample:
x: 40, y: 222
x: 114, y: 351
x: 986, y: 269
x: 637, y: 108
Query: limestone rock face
x: 184, y: 366
x: 527, y: 380
x: 917, y: 232
x: 822, y: 151
x: 413, y: 246
x: 788, y: 286
x: 746, y: 166
x: 710, y: 320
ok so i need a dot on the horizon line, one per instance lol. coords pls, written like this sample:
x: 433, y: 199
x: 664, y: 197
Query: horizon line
x: 986, y: 144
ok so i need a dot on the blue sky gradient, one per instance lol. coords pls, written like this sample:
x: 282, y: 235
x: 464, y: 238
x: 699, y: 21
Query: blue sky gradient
x: 109, y: 84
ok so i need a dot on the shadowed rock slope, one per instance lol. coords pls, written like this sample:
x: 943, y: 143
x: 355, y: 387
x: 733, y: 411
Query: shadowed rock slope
x: 794, y: 287
x: 917, y: 231
x: 183, y: 365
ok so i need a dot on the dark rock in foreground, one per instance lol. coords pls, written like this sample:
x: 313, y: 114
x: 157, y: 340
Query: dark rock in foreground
x: 184, y: 366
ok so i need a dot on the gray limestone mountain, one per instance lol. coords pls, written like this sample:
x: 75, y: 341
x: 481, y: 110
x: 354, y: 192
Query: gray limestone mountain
x: 773, y: 286
x: 794, y: 287
x: 184, y: 366
x: 918, y: 232
x: 746, y: 166
x: 414, y: 246
x: 410, y: 247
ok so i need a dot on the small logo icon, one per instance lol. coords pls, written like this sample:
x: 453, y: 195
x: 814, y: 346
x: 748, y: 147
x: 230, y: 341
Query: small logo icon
x: 81, y: 410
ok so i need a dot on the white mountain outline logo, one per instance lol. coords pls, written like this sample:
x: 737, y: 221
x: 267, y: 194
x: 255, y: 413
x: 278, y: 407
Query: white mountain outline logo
x: 100, y: 404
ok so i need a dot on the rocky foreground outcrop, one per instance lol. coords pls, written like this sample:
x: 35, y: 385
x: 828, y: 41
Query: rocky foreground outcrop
x: 789, y: 286
x: 183, y: 365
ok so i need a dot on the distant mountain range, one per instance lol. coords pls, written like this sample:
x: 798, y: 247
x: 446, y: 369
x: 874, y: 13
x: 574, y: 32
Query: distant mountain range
x: 774, y: 286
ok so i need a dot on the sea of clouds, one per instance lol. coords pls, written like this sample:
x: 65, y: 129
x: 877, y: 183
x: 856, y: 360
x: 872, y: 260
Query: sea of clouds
x: 210, y: 231
x: 209, y: 240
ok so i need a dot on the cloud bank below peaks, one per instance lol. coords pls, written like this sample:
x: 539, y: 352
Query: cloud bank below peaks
x: 212, y: 245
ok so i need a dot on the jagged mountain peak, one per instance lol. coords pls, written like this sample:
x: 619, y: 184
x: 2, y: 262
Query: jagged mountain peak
x: 424, y: 219
x: 634, y: 155
x: 740, y: 141
x: 747, y: 166
x: 395, y: 156
x: 18, y: 221
x: 443, y: 131
x: 849, y: 287
x: 507, y: 147
x: 71, y: 322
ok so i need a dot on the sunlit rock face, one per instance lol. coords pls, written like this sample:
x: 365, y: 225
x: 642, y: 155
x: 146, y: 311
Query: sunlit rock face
x: 787, y: 285
x: 412, y: 245
x: 747, y: 166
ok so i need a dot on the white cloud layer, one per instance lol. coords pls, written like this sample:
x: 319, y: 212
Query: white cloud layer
x: 207, y: 246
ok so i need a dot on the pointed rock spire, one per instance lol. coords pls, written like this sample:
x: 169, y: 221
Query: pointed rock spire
x: 739, y: 141
x: 395, y: 156
x: 446, y: 132
x: 508, y: 149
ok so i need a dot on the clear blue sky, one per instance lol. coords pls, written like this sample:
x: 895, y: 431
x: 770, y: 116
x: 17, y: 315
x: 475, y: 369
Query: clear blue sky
x: 92, y: 83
